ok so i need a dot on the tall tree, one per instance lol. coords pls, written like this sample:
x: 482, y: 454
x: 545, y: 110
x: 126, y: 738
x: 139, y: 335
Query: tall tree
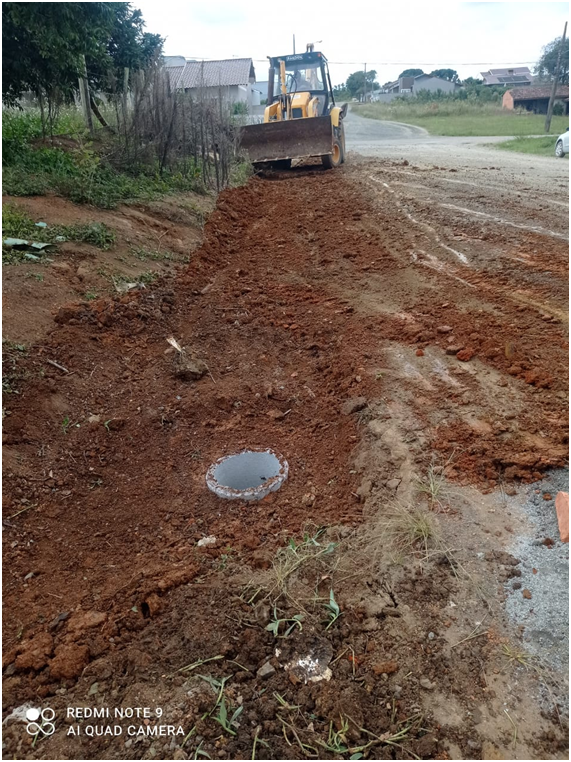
x: 44, y: 45
x: 472, y: 81
x: 450, y: 74
x: 127, y: 46
x: 356, y: 83
x: 546, y: 65
x: 410, y: 73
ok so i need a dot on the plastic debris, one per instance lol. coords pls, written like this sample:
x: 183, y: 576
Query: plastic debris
x: 20, y: 243
x: 211, y: 540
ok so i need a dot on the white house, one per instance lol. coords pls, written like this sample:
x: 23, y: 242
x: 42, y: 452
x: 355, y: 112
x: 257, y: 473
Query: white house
x: 233, y: 78
x: 406, y: 86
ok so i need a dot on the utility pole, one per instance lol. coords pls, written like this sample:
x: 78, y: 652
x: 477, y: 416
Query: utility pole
x: 365, y: 86
x: 294, y: 44
x: 555, y: 82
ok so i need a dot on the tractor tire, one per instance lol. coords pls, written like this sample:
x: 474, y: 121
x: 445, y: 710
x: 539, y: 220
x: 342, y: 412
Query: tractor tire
x: 330, y: 161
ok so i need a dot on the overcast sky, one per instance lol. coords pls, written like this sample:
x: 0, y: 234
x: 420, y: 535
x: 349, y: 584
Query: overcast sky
x: 388, y: 36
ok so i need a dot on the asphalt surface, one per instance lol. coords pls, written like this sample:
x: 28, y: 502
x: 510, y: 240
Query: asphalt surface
x: 545, y: 573
x: 370, y: 137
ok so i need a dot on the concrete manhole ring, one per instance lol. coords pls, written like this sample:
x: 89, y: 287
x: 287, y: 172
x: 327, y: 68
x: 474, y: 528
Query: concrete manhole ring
x: 247, y: 475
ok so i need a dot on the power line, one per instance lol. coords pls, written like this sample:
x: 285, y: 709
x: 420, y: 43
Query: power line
x: 418, y: 63
x: 401, y: 63
x: 392, y: 63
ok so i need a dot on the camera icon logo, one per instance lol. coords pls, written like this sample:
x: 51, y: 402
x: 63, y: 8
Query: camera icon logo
x: 40, y: 721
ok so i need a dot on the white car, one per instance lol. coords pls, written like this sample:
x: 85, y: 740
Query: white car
x: 562, y: 145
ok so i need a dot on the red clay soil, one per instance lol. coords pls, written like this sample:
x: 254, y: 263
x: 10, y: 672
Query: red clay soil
x: 104, y: 463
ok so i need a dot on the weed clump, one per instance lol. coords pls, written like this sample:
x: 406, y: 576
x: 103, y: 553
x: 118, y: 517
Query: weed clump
x: 17, y: 224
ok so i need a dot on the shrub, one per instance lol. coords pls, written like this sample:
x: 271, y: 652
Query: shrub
x: 240, y: 108
x: 20, y: 128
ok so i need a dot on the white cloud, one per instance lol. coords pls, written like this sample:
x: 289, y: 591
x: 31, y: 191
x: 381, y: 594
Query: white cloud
x: 388, y: 36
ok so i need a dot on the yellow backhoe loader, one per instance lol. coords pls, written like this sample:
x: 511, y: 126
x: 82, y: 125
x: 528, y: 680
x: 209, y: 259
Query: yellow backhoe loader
x: 301, y: 120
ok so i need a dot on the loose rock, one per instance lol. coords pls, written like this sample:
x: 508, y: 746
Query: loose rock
x: 266, y: 670
x: 353, y: 405
x: 385, y: 667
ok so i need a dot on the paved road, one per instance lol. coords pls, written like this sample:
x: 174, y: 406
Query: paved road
x: 375, y: 139
x: 371, y: 136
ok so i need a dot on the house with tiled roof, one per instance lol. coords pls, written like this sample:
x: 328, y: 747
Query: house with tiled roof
x: 518, y: 76
x: 232, y: 79
x: 407, y: 86
x: 535, y: 99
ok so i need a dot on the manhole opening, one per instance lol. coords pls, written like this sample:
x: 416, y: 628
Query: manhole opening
x: 250, y: 474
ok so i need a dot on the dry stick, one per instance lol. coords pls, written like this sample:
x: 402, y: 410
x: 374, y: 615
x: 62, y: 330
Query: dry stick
x: 471, y: 636
x: 27, y: 508
x: 99, y: 115
x: 514, y: 726
x: 57, y: 365
x: 168, y: 139
x: 209, y: 373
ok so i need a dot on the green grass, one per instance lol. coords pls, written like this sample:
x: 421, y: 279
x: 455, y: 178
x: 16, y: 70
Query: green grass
x: 462, y: 118
x: 537, y: 146
x: 80, y: 173
x: 81, y: 176
x: 17, y: 224
x: 19, y: 128
x: 155, y: 255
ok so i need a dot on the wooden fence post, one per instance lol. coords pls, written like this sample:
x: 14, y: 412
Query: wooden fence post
x: 84, y: 93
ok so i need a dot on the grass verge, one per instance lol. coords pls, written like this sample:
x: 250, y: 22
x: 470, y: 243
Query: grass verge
x: 537, y: 146
x: 17, y: 224
x: 462, y: 119
x: 91, y: 172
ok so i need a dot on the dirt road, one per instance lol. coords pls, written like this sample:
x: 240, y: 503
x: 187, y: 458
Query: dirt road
x: 397, y: 330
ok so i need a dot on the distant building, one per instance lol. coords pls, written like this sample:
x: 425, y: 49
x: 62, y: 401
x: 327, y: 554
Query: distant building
x: 519, y: 75
x: 262, y: 88
x: 406, y: 86
x: 233, y: 78
x: 535, y: 99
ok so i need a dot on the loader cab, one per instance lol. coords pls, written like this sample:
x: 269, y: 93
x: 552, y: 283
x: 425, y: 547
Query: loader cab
x: 307, y: 82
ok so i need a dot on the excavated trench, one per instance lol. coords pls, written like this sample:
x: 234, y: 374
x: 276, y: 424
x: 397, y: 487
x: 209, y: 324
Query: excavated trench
x: 341, y: 351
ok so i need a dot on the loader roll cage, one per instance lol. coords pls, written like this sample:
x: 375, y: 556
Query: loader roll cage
x: 305, y: 72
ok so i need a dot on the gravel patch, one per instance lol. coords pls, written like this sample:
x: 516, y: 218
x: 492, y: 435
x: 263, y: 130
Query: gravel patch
x: 541, y: 601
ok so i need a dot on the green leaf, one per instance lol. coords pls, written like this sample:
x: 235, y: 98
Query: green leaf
x: 333, y: 603
x: 236, y: 714
x: 273, y: 627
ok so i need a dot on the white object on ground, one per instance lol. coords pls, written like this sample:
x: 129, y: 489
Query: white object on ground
x: 210, y: 540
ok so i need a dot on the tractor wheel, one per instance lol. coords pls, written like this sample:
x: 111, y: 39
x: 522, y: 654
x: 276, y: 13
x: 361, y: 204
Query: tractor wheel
x: 330, y: 161
x: 343, y: 150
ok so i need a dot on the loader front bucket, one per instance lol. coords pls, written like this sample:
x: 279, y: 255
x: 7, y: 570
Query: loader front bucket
x: 291, y: 139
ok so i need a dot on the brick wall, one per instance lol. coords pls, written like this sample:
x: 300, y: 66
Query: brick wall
x: 507, y: 100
